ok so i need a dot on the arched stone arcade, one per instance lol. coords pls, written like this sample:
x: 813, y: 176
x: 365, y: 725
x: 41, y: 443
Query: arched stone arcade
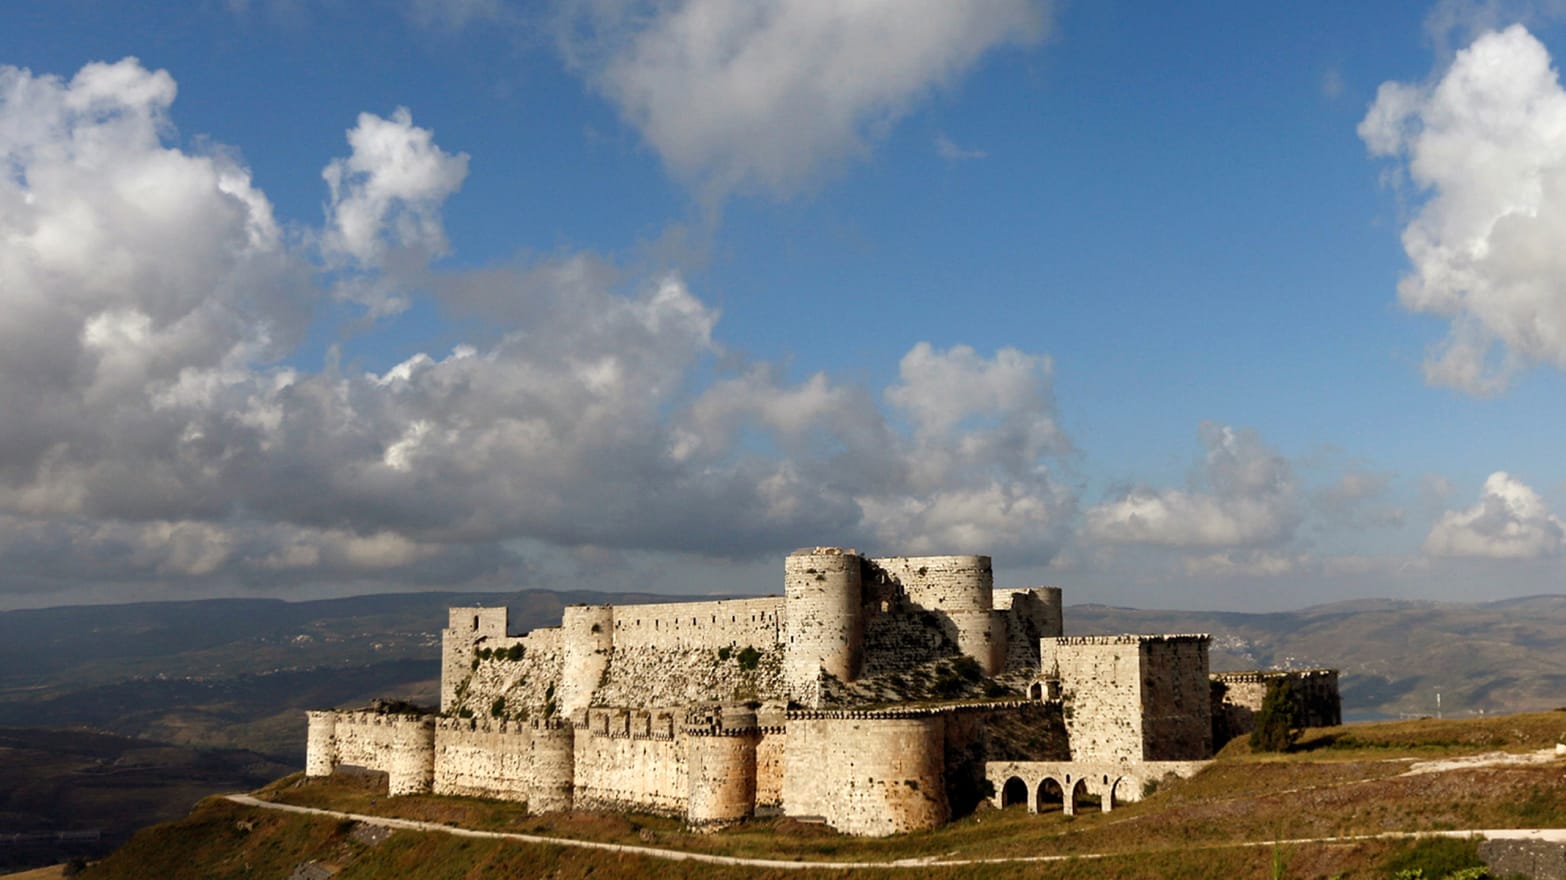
x: 1072, y: 786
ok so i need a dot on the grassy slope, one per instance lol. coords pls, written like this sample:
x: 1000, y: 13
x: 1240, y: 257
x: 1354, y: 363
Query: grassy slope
x: 1340, y: 781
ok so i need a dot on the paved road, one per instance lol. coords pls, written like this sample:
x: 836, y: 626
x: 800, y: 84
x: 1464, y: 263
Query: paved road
x: 1553, y: 835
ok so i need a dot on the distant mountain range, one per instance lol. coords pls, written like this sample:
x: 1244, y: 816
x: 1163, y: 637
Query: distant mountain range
x: 239, y: 673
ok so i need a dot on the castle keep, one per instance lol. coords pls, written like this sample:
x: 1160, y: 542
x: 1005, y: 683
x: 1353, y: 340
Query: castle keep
x: 877, y: 695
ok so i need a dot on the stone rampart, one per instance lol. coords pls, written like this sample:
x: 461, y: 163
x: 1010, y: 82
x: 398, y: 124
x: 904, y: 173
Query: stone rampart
x: 871, y: 776
x: 961, y: 589
x: 1031, y: 613
x: 401, y: 746
x: 586, y: 639
x: 942, y: 583
x: 616, y: 771
x: 483, y: 758
x: 692, y: 625
x: 465, y: 628
x: 1317, y: 699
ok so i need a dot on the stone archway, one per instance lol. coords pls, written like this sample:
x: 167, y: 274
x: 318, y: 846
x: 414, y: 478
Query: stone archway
x: 1112, y: 797
x: 1081, y: 797
x: 1014, y: 792
x: 1049, y: 797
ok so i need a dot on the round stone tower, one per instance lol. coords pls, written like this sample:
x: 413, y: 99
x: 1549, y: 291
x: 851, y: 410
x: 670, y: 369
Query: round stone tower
x: 825, y: 627
x: 962, y: 588
x: 587, y: 638
x: 411, y: 755
x: 321, y: 743
x: 1042, y: 612
x: 722, y: 768
x: 554, y: 767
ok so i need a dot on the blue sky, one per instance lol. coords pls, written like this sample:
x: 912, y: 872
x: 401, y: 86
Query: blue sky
x: 1171, y: 307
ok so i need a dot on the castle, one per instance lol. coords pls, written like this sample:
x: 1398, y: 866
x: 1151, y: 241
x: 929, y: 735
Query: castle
x: 877, y: 695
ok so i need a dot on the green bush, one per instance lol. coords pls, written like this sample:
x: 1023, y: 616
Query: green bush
x: 1437, y: 858
x: 484, y: 653
x: 967, y: 668
x: 515, y: 652
x: 497, y: 709
x: 1278, y: 721
x: 725, y: 652
x: 749, y: 658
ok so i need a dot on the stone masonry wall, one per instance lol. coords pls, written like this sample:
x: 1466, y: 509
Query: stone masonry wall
x: 618, y: 771
x: 1316, y: 691
x: 528, y: 685
x: 1176, y: 699
x: 1133, y: 698
x: 1101, y: 688
x: 401, y: 746
x: 770, y: 752
x: 711, y: 625
x: 871, y: 776
x: 642, y: 677
x: 483, y: 758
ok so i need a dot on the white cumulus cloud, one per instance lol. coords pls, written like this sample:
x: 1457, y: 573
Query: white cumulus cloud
x: 1485, y: 145
x: 389, y: 191
x: 1510, y: 521
x: 151, y: 438
x: 1244, y: 495
x: 768, y: 94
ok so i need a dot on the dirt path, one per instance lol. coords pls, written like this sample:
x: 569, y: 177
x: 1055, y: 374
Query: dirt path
x: 1553, y: 835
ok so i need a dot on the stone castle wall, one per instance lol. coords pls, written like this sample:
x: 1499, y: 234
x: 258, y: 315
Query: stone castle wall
x: 1315, y: 690
x: 624, y: 767
x: 1177, y: 718
x: 870, y: 776
x: 483, y: 758
x: 401, y: 746
x: 701, y: 625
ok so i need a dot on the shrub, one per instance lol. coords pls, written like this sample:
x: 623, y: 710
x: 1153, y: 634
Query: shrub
x: 725, y: 652
x: 1436, y: 858
x: 749, y: 658
x: 464, y: 712
x: 515, y: 652
x: 1278, y: 720
x: 485, y: 653
x: 497, y: 709
x: 968, y: 668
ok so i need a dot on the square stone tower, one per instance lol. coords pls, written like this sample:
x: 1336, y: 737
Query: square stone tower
x: 1133, y: 697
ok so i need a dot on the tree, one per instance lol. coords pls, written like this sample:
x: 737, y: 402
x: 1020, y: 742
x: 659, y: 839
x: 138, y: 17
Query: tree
x: 1278, y: 721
